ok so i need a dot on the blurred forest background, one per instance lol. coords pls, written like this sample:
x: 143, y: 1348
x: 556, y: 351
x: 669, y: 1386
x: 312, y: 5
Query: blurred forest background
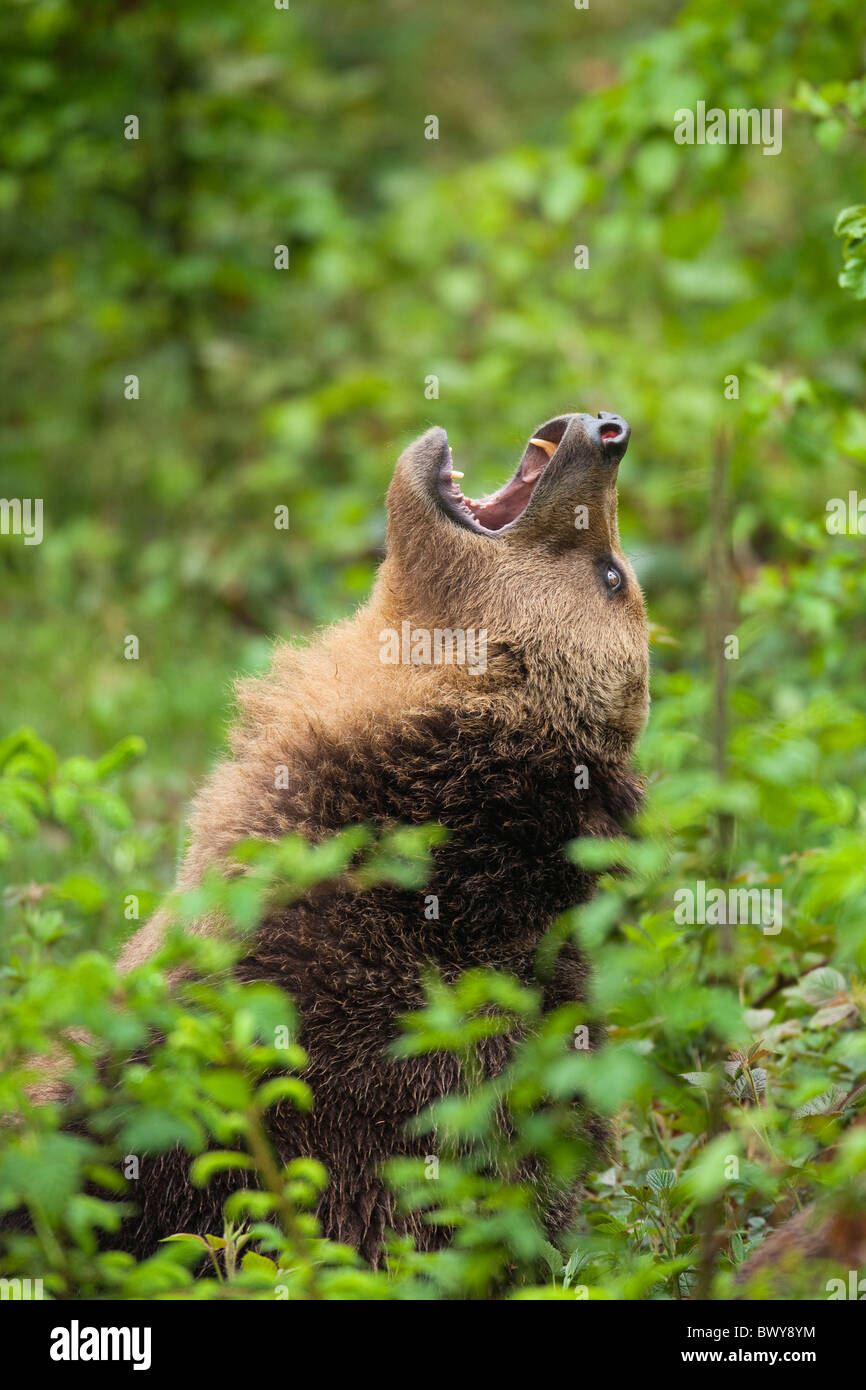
x: 454, y: 258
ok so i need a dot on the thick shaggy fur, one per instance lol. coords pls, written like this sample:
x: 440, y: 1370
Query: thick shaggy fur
x: 492, y: 756
x: 801, y: 1259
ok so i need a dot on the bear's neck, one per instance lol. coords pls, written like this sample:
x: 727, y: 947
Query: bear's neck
x: 510, y: 796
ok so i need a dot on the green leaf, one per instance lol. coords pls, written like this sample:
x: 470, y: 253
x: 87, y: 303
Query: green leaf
x: 284, y: 1088
x: 259, y: 1264
x: 661, y: 1180
x: 217, y: 1161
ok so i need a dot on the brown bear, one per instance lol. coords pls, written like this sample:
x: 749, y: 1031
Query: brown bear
x: 503, y: 649
x: 819, y: 1253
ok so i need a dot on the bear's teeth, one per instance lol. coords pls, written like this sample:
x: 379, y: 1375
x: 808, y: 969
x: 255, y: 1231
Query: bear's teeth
x: 455, y: 474
x: 546, y: 445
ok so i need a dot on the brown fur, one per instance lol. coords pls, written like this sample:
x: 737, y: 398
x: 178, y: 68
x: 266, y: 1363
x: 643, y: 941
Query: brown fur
x: 826, y: 1241
x: 491, y: 756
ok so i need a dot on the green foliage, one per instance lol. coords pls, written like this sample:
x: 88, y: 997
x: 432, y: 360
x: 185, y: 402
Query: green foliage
x: 735, y: 1056
x: 728, y: 1094
x: 220, y: 1055
x: 851, y: 226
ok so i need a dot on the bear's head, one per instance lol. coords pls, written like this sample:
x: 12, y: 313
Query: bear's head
x: 537, y: 567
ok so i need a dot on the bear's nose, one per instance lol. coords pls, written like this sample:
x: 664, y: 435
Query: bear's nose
x: 611, y: 431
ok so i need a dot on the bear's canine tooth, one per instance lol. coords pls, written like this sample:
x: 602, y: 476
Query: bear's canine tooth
x: 546, y: 445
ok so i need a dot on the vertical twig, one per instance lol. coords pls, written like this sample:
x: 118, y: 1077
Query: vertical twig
x: 720, y: 622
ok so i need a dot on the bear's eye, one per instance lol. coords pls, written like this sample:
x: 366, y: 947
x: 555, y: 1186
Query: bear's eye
x: 612, y: 578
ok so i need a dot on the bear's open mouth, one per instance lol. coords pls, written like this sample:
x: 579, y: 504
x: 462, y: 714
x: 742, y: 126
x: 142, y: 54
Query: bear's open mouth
x: 491, y: 515
x: 605, y: 433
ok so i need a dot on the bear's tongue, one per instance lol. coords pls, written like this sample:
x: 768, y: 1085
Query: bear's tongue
x: 507, y: 504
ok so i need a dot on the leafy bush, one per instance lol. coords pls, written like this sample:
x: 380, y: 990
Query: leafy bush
x: 730, y: 1068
